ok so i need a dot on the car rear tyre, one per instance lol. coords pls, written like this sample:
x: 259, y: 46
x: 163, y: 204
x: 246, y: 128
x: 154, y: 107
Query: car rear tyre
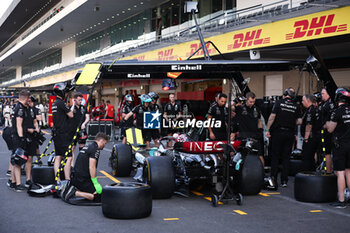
x: 126, y: 200
x: 310, y: 187
x: 159, y: 173
x: 251, y: 176
x: 121, y: 160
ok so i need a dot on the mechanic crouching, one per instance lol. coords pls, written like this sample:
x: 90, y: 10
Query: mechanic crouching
x: 84, y: 174
x: 339, y: 124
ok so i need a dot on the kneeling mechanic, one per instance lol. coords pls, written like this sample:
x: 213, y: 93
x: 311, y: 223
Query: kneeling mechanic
x: 83, y: 179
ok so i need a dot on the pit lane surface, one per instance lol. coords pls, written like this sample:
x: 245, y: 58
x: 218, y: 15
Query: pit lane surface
x: 267, y: 212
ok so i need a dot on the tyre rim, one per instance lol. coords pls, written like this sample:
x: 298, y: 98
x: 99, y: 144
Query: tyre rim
x: 146, y: 175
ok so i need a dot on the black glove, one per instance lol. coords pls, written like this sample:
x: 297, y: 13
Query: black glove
x: 22, y: 142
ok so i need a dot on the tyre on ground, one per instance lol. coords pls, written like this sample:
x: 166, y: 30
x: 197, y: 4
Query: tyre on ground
x: 43, y: 175
x: 159, y: 173
x: 126, y: 200
x: 315, y: 188
x: 295, y: 166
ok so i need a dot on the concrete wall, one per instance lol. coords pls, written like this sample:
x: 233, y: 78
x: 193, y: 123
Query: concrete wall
x: 18, y: 72
x: 68, y: 54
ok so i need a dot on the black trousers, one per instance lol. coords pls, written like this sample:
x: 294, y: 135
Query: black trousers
x: 309, y: 150
x: 281, y: 146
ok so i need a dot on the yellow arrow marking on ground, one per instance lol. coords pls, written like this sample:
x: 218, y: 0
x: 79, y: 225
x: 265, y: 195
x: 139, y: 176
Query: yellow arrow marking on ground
x: 272, y: 193
x: 240, y: 212
x: 109, y: 176
x: 45, y: 132
x: 316, y: 211
x: 171, y: 219
x: 197, y: 193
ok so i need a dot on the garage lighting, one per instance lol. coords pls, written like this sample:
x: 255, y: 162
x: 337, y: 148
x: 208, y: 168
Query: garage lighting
x: 224, y: 81
x: 168, y: 84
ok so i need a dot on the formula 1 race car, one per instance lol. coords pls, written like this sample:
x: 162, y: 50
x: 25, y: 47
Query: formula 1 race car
x: 172, y: 170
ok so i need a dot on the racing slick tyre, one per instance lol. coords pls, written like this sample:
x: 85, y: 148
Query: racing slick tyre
x: 159, y: 173
x: 295, y: 166
x: 126, y: 200
x: 311, y: 187
x: 252, y: 176
x: 43, y: 175
x: 121, y: 160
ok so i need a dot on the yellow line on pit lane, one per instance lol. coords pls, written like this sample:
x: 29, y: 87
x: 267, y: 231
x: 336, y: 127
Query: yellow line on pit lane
x: 109, y: 176
x: 240, y: 212
x: 45, y: 132
x: 264, y: 194
x: 171, y: 219
x: 272, y: 193
x: 209, y: 199
x: 316, y: 211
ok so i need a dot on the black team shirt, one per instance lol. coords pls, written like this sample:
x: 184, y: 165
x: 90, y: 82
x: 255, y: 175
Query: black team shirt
x: 81, y: 167
x: 59, y: 115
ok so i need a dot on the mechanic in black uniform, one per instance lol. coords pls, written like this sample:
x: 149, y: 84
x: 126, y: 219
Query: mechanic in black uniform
x: 312, y: 133
x: 154, y: 108
x: 218, y: 112
x: 282, y: 124
x: 37, y: 114
x: 31, y: 127
x: 126, y: 124
x: 172, y: 111
x: 340, y: 125
x: 217, y: 94
x: 138, y: 111
x: 19, y: 135
x: 79, y: 115
x: 326, y: 108
x: 60, y: 114
x: 84, y: 174
x: 247, y: 123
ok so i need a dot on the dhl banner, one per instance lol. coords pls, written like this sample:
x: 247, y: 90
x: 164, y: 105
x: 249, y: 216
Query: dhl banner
x: 309, y: 27
x: 50, y: 79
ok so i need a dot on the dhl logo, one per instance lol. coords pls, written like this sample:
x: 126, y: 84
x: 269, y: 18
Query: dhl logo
x: 248, y: 39
x: 140, y: 58
x: 195, y: 47
x: 317, y: 25
x: 166, y: 55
